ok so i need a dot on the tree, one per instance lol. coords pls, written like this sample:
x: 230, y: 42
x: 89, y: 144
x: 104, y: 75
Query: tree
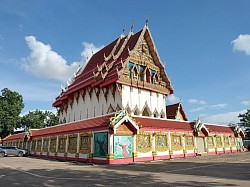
x: 245, y: 122
x: 39, y: 119
x: 11, y: 105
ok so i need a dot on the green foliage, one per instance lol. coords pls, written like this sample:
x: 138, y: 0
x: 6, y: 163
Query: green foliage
x: 39, y: 119
x: 245, y: 122
x: 11, y: 105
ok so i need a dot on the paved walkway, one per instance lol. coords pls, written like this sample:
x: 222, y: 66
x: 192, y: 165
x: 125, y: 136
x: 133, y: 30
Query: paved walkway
x: 213, y: 170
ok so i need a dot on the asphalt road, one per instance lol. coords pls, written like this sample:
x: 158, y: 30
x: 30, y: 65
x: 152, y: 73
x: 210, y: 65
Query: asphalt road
x: 214, y: 170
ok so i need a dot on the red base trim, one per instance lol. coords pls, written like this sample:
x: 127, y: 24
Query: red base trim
x: 212, y: 153
x: 219, y: 152
x: 142, y: 159
x: 177, y: 156
x: 163, y: 157
x: 190, y: 155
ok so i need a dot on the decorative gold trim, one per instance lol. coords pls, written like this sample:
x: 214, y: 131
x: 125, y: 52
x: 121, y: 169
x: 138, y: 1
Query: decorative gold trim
x: 154, y: 153
x: 77, y: 155
x: 134, y: 154
x: 110, y: 156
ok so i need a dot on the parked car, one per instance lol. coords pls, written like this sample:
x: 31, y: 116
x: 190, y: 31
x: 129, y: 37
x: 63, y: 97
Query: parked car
x: 12, y: 150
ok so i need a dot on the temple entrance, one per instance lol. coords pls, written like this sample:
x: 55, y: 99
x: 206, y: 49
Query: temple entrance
x: 200, y: 145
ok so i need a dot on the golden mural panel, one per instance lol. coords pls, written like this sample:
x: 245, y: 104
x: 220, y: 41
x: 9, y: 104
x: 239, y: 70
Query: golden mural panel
x: 39, y: 145
x: 176, y: 142
x: 189, y: 142
x: 226, y: 141
x: 33, y: 145
x: 61, y: 144
x: 144, y: 142
x: 72, y: 143
x: 45, y: 145
x: 85, y: 143
x: 53, y: 144
x: 218, y: 141
x: 210, y: 142
x: 232, y: 140
x: 161, y: 141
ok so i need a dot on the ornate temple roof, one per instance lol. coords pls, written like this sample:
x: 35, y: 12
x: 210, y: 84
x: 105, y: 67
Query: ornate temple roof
x: 106, y: 66
x: 172, y: 111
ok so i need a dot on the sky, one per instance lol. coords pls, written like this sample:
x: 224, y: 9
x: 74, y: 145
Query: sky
x: 204, y: 45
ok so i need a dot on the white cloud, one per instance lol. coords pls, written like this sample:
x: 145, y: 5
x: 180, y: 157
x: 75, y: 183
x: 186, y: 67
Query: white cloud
x: 246, y: 103
x: 197, y: 109
x: 218, y: 106
x: 223, y: 119
x: 242, y: 43
x: 46, y: 63
x: 173, y: 99
x: 195, y: 101
x: 210, y: 107
x: 88, y: 50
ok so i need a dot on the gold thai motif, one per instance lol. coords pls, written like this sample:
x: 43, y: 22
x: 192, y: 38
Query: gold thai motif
x: 134, y: 155
x: 61, y: 144
x: 154, y: 153
x: 189, y: 142
x: 161, y: 141
x: 110, y: 156
x: 232, y: 140
x: 72, y: 143
x: 226, y: 141
x: 33, y: 145
x: 176, y: 142
x: 218, y: 141
x: 39, y: 145
x: 210, y: 142
x: 85, y: 143
x: 144, y: 142
x: 53, y: 144
x: 45, y: 144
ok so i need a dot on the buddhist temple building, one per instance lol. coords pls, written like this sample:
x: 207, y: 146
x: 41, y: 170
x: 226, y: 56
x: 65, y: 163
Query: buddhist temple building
x: 114, y: 111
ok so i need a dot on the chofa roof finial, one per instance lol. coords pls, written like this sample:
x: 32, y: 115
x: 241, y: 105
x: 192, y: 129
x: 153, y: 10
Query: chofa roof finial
x: 147, y: 21
x: 131, y: 29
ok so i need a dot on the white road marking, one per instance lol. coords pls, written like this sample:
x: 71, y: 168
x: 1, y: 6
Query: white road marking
x: 1, y: 176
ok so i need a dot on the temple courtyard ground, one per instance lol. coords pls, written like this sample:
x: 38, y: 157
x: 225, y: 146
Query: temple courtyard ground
x: 212, y: 170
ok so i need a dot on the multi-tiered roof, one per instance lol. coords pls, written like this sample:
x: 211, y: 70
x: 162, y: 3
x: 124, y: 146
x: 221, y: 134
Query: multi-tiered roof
x: 109, y: 64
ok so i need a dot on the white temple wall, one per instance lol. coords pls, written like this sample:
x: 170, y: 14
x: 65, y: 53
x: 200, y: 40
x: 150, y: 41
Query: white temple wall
x: 90, y: 106
x: 134, y: 97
